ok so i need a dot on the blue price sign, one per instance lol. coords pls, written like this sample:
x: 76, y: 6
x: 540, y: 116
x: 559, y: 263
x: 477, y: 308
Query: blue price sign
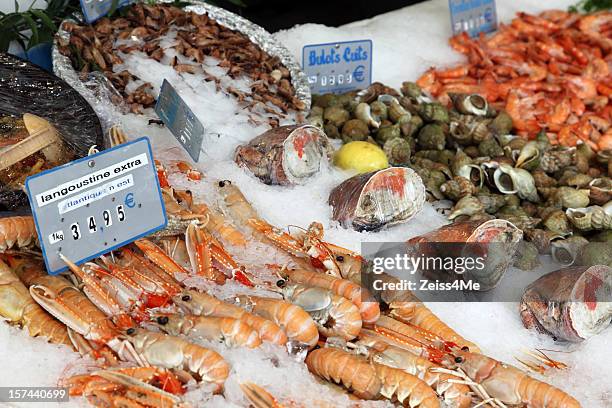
x: 95, y: 9
x: 181, y: 121
x: 93, y: 205
x: 473, y: 16
x: 338, y: 67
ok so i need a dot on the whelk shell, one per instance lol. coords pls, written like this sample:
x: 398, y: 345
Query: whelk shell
x: 601, y: 190
x: 529, y: 155
x: 468, y: 205
x: 565, y: 251
x: 568, y: 197
x: 364, y: 113
x: 510, y: 180
x: 589, y: 218
x: 473, y: 104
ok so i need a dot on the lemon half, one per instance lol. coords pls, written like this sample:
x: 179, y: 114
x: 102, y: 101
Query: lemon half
x: 361, y: 156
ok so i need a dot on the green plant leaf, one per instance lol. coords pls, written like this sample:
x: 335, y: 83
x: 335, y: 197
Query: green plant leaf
x: 34, y: 28
x: 45, y: 19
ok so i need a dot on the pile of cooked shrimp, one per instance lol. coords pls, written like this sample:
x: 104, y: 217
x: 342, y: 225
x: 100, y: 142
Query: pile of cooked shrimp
x: 550, y: 72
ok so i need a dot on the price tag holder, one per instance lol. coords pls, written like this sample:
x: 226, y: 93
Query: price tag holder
x: 93, y: 205
x: 473, y: 16
x: 181, y: 121
x: 95, y: 9
x: 338, y: 67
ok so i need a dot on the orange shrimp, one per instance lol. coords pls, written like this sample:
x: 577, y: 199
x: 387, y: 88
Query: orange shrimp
x: 427, y: 81
x: 583, y: 87
x: 560, y: 112
x: 605, y: 141
x: 456, y: 72
x: 593, y: 23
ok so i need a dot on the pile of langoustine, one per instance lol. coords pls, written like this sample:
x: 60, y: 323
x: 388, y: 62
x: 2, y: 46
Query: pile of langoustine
x: 133, y: 306
x: 551, y: 72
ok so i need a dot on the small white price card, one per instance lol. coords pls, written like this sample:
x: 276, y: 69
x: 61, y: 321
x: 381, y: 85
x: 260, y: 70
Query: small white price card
x: 95, y: 9
x: 93, y: 205
x: 180, y: 120
x: 338, y: 67
x: 473, y: 16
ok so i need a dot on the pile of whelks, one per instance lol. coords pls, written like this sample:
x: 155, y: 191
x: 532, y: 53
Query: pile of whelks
x: 132, y: 312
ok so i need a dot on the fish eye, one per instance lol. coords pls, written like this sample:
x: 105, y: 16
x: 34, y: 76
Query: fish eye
x: 186, y: 298
x: 458, y: 359
x: 465, y: 348
x: 224, y: 183
x: 162, y: 320
x: 340, y: 258
x: 130, y: 331
x: 281, y: 283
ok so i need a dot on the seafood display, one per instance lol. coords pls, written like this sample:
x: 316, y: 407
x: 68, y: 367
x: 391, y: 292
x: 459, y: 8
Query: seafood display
x: 134, y: 307
x: 285, y: 155
x: 371, y: 201
x: 189, y: 43
x: 550, y: 72
x: 570, y: 304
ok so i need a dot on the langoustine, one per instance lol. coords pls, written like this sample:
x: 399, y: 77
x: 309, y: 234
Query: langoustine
x: 334, y: 315
x: 18, y: 307
x: 368, y: 307
x: 308, y: 249
x: 508, y: 384
x: 295, y: 321
x: 203, y: 304
x: 227, y: 330
x: 370, y: 380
